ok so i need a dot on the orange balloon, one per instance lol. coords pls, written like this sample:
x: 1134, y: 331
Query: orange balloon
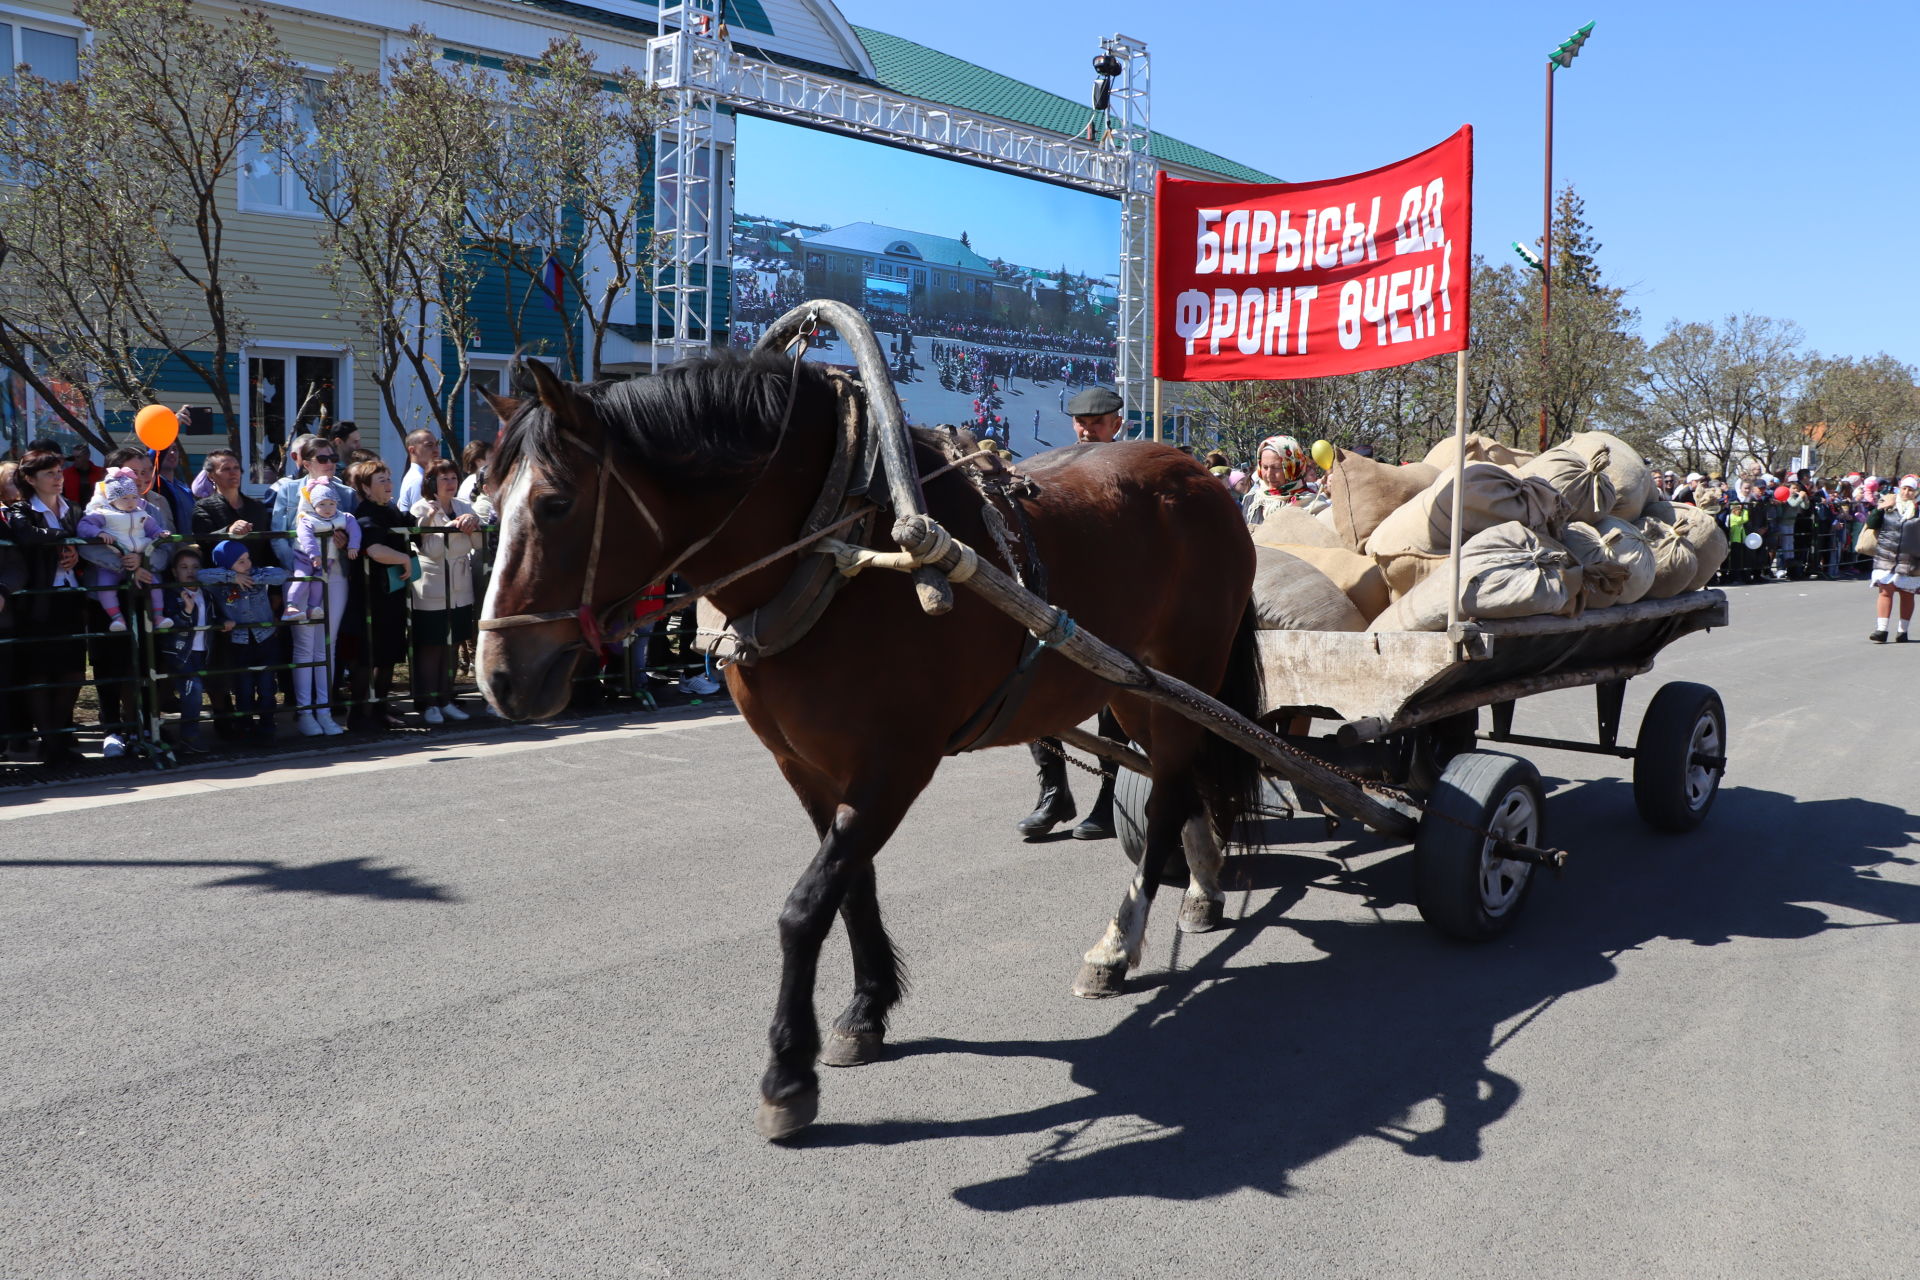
x: 157, y: 426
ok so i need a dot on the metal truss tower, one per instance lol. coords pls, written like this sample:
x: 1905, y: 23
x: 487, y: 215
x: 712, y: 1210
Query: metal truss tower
x: 689, y: 208
x: 1129, y: 134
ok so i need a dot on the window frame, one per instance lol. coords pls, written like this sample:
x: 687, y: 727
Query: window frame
x: 53, y: 24
x: 253, y: 147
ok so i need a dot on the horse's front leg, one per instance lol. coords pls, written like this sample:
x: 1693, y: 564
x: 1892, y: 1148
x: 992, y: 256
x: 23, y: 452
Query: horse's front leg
x: 790, y: 1089
x: 859, y: 1034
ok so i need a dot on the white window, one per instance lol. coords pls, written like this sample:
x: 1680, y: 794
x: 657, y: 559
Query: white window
x: 268, y: 183
x: 50, y: 54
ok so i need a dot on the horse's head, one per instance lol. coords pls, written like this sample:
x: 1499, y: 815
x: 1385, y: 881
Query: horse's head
x: 603, y: 489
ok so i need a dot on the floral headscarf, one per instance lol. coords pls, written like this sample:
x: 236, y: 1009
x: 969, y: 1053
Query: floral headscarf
x: 1293, y: 465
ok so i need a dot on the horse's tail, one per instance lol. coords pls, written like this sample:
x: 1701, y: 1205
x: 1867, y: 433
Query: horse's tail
x: 1228, y: 776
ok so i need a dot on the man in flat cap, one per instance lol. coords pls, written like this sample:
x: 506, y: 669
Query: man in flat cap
x: 1097, y: 419
x: 1096, y: 415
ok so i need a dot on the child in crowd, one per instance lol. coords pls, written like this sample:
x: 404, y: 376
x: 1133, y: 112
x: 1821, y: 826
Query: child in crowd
x: 238, y: 601
x: 117, y: 518
x: 183, y: 650
x: 319, y: 517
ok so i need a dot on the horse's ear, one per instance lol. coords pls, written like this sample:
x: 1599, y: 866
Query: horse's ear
x: 504, y: 407
x: 553, y: 393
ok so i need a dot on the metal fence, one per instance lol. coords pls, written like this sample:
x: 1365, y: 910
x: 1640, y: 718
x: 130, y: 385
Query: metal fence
x: 154, y: 699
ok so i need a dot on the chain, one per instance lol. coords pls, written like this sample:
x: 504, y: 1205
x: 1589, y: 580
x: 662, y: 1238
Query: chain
x: 1050, y: 745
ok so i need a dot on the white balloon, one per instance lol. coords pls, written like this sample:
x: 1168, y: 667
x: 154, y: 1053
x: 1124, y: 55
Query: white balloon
x: 1753, y: 542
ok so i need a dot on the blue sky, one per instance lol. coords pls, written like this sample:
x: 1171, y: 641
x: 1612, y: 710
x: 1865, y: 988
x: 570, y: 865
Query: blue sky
x: 1733, y: 157
x: 807, y: 175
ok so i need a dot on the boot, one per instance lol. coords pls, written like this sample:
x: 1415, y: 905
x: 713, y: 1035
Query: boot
x: 1099, y: 820
x: 1056, y: 801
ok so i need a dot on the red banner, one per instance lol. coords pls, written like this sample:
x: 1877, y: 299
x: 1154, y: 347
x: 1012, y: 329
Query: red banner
x: 1307, y: 279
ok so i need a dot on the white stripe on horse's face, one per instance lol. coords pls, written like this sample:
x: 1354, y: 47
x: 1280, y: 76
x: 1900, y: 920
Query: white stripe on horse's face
x: 512, y: 507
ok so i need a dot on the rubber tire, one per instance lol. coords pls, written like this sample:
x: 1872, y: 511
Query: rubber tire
x: 1447, y: 858
x: 1663, y: 751
x: 1130, y: 792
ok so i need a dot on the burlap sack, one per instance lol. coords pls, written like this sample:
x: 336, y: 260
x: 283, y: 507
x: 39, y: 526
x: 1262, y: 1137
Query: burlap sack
x: 1492, y: 495
x: 1293, y: 527
x: 1708, y: 539
x: 1508, y: 571
x: 1602, y: 580
x: 1626, y: 545
x: 1579, y: 478
x: 1659, y: 509
x: 1632, y: 480
x: 1364, y: 492
x: 1291, y: 595
x: 1674, y: 563
x: 1353, y: 573
x: 1479, y: 449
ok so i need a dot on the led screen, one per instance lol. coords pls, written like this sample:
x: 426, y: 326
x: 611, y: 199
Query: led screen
x: 993, y: 295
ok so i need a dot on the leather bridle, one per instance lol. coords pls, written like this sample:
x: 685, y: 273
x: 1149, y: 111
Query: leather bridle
x: 600, y: 627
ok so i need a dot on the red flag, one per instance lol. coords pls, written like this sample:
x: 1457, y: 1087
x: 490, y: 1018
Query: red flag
x: 1308, y: 279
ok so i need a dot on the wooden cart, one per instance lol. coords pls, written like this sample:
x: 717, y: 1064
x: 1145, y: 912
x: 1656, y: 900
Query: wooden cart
x: 1404, y: 712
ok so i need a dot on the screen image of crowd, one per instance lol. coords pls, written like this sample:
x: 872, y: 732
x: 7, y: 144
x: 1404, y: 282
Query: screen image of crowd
x: 152, y: 613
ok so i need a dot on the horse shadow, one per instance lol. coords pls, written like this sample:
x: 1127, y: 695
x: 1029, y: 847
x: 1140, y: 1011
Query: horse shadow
x: 1228, y: 1076
x: 346, y: 877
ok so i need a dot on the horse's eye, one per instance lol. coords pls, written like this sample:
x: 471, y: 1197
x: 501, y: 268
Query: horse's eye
x: 554, y: 506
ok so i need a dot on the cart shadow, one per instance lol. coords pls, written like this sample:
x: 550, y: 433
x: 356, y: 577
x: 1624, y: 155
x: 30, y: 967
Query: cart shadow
x: 1227, y: 1076
x: 346, y: 877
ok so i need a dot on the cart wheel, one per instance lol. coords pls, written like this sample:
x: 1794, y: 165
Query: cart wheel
x: 1130, y: 792
x: 1672, y: 790
x: 1463, y: 888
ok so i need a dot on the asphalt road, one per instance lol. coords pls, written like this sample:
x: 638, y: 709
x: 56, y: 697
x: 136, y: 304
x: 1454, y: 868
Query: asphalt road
x: 497, y: 1010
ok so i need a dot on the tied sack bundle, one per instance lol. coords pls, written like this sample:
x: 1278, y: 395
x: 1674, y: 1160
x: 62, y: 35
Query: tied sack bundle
x: 1632, y: 480
x: 1662, y: 510
x: 1363, y: 492
x: 1292, y: 526
x: 1508, y: 571
x: 1291, y: 595
x: 1479, y: 449
x: 1580, y: 478
x: 1356, y: 575
x: 1626, y: 545
x: 1602, y: 578
x: 1708, y: 539
x: 1414, y: 541
x: 1674, y: 563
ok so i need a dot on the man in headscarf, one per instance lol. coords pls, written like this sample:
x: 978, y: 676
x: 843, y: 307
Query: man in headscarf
x: 1280, y: 479
x: 1097, y: 419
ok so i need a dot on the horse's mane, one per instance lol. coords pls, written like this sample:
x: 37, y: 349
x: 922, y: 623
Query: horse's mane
x: 699, y: 422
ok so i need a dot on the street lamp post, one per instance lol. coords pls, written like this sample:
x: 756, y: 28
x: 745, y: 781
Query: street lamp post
x: 1562, y: 56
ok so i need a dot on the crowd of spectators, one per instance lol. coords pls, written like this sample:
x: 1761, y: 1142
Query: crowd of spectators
x: 198, y: 610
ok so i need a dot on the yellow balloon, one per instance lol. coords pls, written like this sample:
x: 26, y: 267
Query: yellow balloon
x: 1323, y: 455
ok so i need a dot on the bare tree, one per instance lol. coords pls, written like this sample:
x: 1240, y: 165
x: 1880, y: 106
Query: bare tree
x: 388, y: 162
x: 563, y: 208
x: 1861, y: 412
x: 1717, y: 393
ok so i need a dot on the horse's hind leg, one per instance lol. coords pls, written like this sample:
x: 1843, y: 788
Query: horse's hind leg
x: 1200, y: 909
x: 859, y: 1034
x: 1174, y: 800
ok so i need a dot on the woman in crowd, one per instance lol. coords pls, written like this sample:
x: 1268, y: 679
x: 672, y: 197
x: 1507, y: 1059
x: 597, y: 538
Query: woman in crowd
x: 225, y: 513
x: 43, y: 522
x: 1895, y: 524
x: 373, y: 638
x: 1281, y: 479
x: 443, y: 593
x: 15, y: 740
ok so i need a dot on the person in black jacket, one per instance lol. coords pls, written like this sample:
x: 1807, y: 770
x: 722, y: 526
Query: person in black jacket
x: 373, y: 635
x: 51, y: 613
x: 224, y: 514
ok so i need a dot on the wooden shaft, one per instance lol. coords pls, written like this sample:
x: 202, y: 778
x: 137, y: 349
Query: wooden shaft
x: 1115, y: 667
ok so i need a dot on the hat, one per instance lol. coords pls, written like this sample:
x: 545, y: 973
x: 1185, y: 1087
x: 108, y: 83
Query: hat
x: 1716, y: 475
x: 227, y: 553
x: 1910, y: 482
x: 1694, y: 477
x: 1095, y: 400
x: 120, y: 483
x: 1292, y: 470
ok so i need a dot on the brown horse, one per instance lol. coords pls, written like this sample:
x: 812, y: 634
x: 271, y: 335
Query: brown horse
x: 715, y: 464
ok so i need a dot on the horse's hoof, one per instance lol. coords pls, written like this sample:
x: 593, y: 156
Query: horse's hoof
x: 853, y: 1048
x: 780, y: 1120
x: 1199, y: 915
x: 1098, y: 981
